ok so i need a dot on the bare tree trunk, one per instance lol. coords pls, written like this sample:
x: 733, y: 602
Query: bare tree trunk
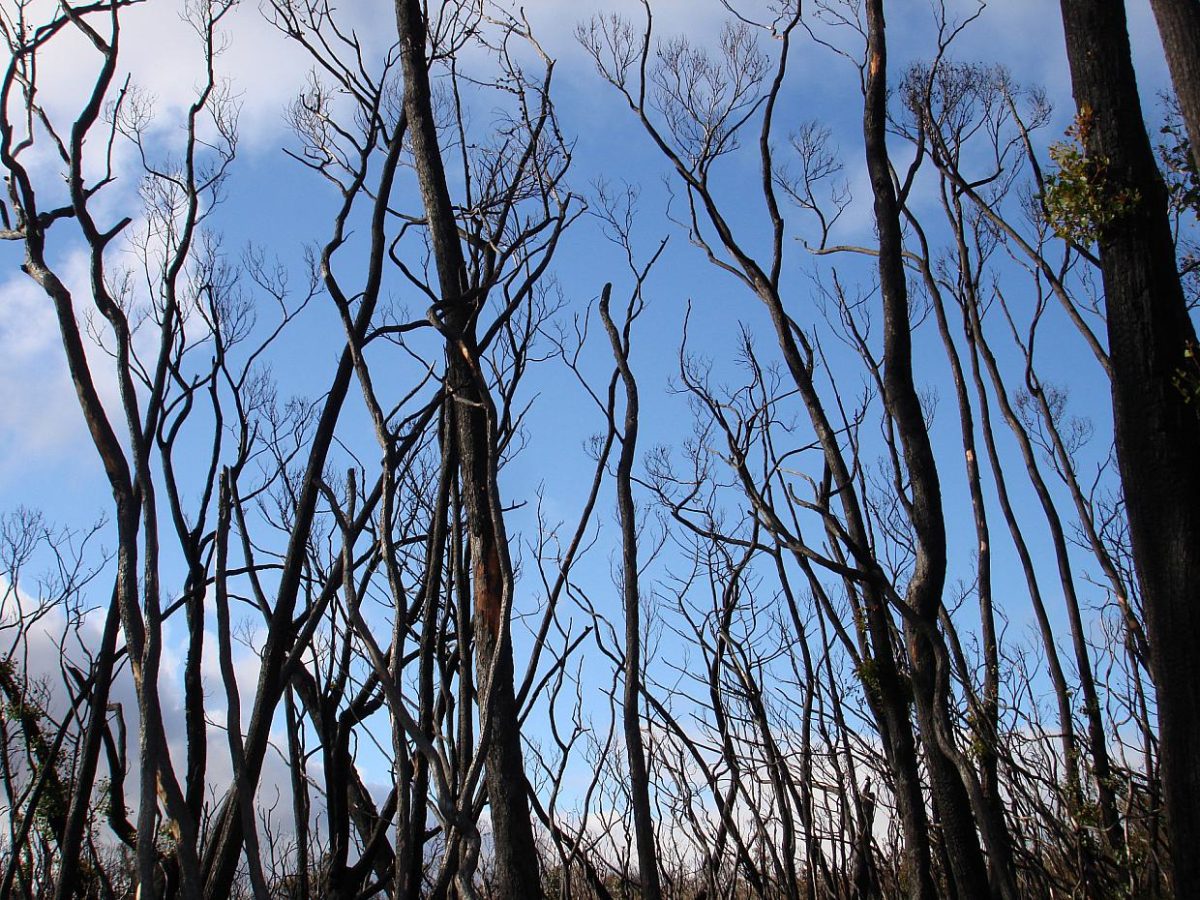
x: 85, y: 778
x: 924, y: 593
x: 635, y: 751
x: 1179, y: 28
x: 1157, y: 432
x: 472, y: 415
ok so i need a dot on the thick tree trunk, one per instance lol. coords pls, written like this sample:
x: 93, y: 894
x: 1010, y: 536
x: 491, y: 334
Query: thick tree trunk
x: 1157, y: 432
x: 950, y: 797
x: 891, y: 705
x: 1179, y: 28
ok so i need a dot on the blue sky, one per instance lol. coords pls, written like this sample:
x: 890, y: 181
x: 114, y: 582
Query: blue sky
x: 272, y: 202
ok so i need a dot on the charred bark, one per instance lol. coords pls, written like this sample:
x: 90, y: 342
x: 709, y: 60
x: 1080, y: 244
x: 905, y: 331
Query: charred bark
x: 926, y: 650
x: 473, y: 420
x: 1179, y: 28
x: 1157, y: 432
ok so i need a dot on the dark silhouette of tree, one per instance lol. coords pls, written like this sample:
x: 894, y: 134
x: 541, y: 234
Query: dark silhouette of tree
x: 850, y: 647
x: 1157, y: 432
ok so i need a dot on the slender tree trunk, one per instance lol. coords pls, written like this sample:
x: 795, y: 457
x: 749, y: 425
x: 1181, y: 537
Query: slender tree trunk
x: 887, y: 694
x: 300, y: 800
x: 472, y: 415
x: 1157, y: 432
x: 924, y: 593
x: 81, y: 794
x: 986, y: 711
x: 635, y: 751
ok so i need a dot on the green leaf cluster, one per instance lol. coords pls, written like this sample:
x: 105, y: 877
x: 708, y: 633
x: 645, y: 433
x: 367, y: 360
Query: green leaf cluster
x: 1187, y: 376
x: 1080, y: 199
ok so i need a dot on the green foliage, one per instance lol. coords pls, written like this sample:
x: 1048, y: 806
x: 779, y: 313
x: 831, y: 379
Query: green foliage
x: 977, y: 728
x: 1187, y: 376
x: 867, y: 671
x: 1081, y: 200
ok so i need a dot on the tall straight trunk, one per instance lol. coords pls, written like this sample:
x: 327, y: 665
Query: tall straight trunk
x: 816, y: 872
x: 1157, y: 432
x: 1096, y: 735
x: 473, y: 420
x: 1101, y: 766
x: 1179, y: 27
x: 888, y: 695
x: 300, y: 798
x: 223, y: 849
x: 973, y: 331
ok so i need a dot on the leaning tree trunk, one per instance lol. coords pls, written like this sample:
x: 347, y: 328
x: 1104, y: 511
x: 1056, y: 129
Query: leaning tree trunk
x: 473, y: 423
x: 1157, y: 431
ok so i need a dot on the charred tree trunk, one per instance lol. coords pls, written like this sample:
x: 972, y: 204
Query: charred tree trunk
x: 924, y: 593
x: 1157, y: 432
x: 635, y: 751
x: 1179, y: 28
x: 473, y: 421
